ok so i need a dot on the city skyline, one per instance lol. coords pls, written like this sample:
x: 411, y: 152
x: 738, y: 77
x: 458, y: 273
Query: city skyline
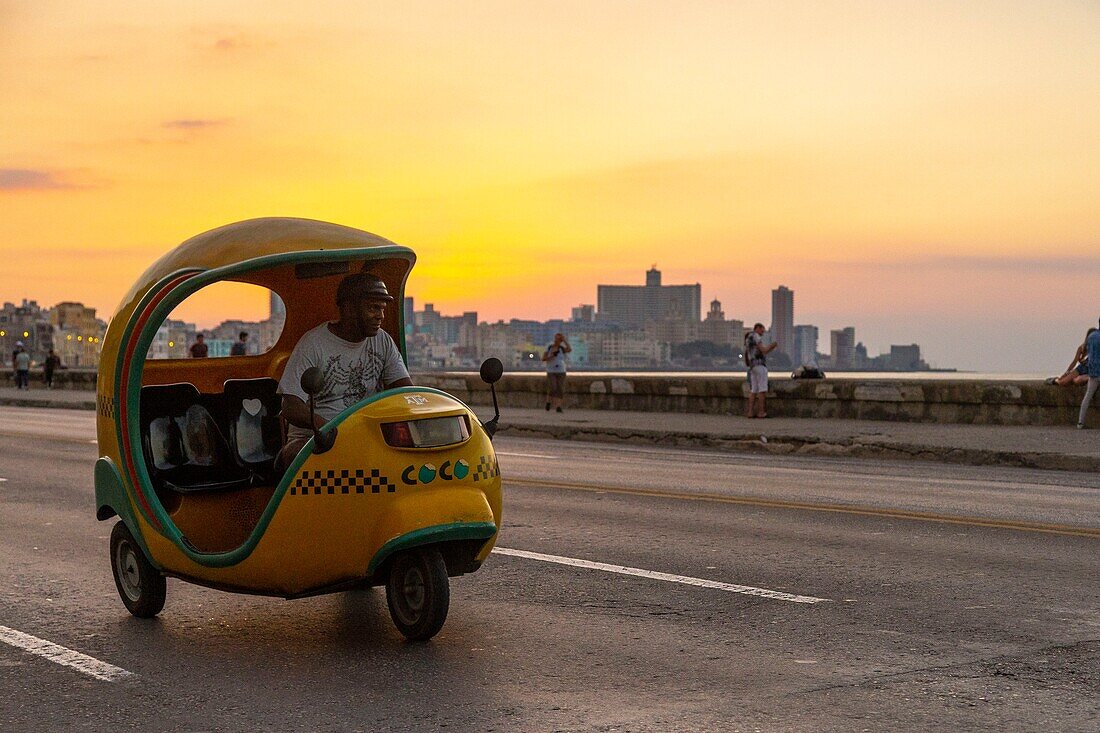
x: 647, y: 325
x: 926, y: 168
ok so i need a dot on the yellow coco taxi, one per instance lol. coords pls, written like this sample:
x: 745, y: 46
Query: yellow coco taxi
x: 401, y: 489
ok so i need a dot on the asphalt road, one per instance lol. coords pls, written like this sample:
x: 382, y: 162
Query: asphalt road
x: 952, y: 598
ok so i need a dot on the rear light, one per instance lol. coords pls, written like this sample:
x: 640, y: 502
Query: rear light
x: 398, y: 434
x: 428, y: 433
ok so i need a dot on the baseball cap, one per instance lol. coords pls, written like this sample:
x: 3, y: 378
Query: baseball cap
x: 362, y: 285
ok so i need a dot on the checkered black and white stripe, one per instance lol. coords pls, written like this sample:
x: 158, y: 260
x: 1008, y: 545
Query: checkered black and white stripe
x: 487, y: 468
x: 341, y: 482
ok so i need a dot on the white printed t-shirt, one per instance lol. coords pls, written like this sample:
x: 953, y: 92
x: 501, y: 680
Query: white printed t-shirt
x: 556, y: 363
x: 353, y: 371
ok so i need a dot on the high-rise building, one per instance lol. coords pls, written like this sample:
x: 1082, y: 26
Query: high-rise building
x: 584, y: 314
x: 427, y: 320
x: 783, y: 319
x: 633, y: 306
x: 276, y: 307
x: 906, y: 358
x: 843, y: 347
x: 409, y: 315
x: 805, y: 346
x: 716, y: 329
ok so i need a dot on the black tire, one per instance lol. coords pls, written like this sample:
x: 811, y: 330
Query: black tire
x: 418, y: 593
x: 140, y: 586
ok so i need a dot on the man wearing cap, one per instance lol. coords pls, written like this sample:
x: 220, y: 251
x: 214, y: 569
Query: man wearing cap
x: 358, y: 359
x: 21, y: 365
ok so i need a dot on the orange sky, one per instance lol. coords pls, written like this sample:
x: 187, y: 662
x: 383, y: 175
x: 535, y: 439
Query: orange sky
x: 923, y: 171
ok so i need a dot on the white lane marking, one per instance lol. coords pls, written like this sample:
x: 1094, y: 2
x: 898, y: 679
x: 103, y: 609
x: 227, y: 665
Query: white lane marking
x: 62, y: 655
x: 2, y: 479
x: 526, y: 455
x: 654, y: 575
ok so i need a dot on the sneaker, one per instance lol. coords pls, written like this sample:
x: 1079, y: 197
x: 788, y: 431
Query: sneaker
x: 1080, y: 426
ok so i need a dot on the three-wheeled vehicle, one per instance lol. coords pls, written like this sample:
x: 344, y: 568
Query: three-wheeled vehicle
x: 407, y: 495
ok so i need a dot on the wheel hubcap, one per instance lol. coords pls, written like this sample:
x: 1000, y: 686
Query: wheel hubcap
x: 129, y: 575
x: 414, y: 590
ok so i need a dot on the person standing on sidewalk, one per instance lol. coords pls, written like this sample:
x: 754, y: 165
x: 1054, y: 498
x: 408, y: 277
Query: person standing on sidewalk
x: 52, y: 364
x: 240, y: 348
x: 22, y: 368
x: 1093, y: 345
x: 199, y: 349
x: 554, y: 357
x: 755, y: 352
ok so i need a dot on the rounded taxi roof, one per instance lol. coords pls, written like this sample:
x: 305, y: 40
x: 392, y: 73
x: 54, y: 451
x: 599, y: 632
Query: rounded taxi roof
x: 245, y: 240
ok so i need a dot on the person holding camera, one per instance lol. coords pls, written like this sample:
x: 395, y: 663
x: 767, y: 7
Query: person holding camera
x: 554, y: 356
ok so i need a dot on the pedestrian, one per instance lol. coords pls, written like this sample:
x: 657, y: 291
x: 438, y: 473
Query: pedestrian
x: 22, y: 365
x: 755, y: 352
x: 241, y: 347
x: 554, y: 356
x: 52, y: 364
x: 1093, y: 344
x: 199, y: 349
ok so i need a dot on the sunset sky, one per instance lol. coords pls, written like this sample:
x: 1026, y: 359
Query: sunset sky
x: 924, y: 171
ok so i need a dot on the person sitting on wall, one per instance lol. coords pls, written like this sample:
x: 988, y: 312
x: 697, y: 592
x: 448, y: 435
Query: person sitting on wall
x: 1078, y: 370
x: 1092, y: 345
x: 358, y: 359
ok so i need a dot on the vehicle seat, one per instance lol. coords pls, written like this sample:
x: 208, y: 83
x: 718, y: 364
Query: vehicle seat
x: 255, y: 427
x: 184, y: 448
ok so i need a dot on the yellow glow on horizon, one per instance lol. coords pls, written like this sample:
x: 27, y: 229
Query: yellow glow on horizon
x: 528, y: 151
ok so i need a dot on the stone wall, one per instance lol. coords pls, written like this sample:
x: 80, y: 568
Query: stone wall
x: 933, y: 401
x: 81, y: 379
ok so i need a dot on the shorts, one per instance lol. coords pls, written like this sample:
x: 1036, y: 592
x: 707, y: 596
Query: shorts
x: 555, y: 384
x: 758, y: 379
x: 1082, y: 369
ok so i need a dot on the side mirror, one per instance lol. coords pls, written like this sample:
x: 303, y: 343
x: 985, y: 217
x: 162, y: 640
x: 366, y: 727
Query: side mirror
x: 491, y: 370
x: 313, y: 381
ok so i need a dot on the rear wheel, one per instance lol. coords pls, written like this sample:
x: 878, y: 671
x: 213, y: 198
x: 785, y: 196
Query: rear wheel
x: 140, y: 585
x: 418, y: 593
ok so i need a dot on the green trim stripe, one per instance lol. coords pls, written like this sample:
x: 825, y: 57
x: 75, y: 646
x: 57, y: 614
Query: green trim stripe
x: 431, y: 536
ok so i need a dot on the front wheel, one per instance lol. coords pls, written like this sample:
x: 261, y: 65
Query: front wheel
x: 140, y: 585
x: 418, y: 593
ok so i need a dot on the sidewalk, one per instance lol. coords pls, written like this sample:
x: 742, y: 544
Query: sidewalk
x: 1060, y: 448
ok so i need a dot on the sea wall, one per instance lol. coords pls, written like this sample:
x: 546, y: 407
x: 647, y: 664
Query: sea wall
x: 80, y: 379
x: 932, y: 401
